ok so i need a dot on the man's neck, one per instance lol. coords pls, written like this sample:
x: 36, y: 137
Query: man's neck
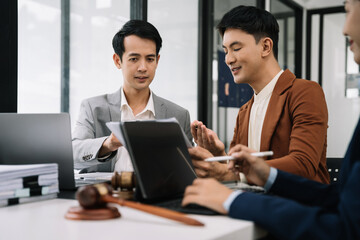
x: 265, y: 76
x: 137, y: 99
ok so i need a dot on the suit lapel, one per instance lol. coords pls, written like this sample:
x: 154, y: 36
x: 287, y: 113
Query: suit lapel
x: 244, y: 125
x: 160, y: 109
x: 275, y: 108
x: 114, y: 100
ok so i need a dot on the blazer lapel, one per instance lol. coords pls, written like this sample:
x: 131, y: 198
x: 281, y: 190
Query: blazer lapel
x: 275, y: 108
x: 244, y: 125
x: 160, y: 109
x: 114, y: 100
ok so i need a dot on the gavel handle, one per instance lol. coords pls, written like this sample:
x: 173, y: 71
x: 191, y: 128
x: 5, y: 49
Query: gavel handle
x: 162, y: 212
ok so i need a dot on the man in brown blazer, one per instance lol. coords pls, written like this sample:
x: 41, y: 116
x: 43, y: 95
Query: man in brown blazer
x: 286, y: 115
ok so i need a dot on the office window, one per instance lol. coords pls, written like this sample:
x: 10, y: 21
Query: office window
x: 176, y: 75
x: 38, y: 56
x: 92, y: 27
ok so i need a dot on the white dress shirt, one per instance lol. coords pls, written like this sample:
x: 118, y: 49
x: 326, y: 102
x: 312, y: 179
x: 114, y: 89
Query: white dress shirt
x: 258, y: 111
x: 123, y: 162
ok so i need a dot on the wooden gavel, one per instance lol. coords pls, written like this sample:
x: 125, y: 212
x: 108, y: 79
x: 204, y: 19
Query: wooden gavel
x: 96, y: 196
x: 123, y: 180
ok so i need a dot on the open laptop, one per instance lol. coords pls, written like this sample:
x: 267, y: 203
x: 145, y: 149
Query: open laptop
x: 161, y: 162
x: 39, y: 138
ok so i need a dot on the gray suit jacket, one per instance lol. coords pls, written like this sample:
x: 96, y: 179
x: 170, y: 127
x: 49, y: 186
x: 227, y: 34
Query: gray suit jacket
x: 90, y: 130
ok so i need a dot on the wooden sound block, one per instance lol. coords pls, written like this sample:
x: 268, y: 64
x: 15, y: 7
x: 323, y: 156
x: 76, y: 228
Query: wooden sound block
x: 79, y: 213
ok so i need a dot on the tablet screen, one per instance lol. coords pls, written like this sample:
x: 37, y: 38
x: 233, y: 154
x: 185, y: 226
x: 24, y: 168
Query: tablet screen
x: 160, y: 158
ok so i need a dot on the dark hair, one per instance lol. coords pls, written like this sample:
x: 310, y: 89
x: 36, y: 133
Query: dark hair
x: 139, y: 28
x: 254, y: 21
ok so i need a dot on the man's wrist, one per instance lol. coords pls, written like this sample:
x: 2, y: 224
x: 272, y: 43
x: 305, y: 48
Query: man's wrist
x: 230, y: 176
x: 219, y: 153
x: 102, y: 158
x: 271, y: 179
x: 105, y: 150
x: 230, y: 199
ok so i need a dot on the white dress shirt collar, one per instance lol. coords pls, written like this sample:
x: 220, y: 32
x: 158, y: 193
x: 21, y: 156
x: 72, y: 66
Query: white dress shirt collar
x: 268, y: 89
x: 149, y: 106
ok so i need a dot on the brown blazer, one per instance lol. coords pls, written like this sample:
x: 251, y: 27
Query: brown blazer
x: 295, y: 127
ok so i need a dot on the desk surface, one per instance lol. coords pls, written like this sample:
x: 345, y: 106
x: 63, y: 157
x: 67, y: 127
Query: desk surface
x: 45, y: 220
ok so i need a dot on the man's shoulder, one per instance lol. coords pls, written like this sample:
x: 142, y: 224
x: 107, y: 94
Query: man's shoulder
x: 303, y: 85
x: 305, y: 91
x: 169, y: 104
x: 101, y: 99
x: 299, y: 82
x: 96, y: 98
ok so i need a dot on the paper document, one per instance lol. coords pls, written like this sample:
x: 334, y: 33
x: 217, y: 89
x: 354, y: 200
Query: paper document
x: 20, y: 182
x: 116, y: 130
x: 18, y: 171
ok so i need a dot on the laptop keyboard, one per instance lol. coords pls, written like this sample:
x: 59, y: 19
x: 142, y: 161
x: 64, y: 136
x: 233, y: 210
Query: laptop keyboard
x: 190, y: 209
x: 197, y: 209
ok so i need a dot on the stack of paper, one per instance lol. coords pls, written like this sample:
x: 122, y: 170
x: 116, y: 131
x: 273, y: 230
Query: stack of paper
x: 28, y: 183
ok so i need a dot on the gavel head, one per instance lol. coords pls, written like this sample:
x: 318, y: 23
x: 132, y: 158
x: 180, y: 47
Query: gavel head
x: 91, y: 196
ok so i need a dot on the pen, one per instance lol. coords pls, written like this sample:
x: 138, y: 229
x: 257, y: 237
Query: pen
x: 226, y: 158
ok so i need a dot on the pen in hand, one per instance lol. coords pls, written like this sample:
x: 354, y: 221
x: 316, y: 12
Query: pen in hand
x: 227, y: 158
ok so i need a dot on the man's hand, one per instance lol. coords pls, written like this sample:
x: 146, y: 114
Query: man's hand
x: 209, y: 169
x: 109, y: 145
x: 206, y: 138
x: 207, y: 192
x: 254, y: 168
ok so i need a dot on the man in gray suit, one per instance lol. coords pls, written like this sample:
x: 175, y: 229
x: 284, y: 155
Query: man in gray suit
x: 96, y: 149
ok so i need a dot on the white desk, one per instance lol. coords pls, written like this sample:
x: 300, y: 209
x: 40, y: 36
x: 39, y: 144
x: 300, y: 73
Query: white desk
x: 45, y: 220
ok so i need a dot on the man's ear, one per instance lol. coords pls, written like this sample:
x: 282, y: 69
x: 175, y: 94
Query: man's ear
x: 117, y: 61
x: 267, y: 46
x: 157, y: 59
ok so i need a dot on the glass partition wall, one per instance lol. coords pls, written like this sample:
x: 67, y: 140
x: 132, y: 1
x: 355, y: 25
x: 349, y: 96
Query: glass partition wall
x: 92, y: 71
x: 331, y: 64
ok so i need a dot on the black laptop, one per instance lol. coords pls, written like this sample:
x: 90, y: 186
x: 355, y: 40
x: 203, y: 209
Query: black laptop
x: 40, y: 138
x: 161, y: 162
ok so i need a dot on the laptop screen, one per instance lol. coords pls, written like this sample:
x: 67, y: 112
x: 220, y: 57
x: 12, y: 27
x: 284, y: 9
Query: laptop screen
x: 38, y: 138
x: 160, y: 158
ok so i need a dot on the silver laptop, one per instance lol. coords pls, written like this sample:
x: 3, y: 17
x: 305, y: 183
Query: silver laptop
x: 38, y: 138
